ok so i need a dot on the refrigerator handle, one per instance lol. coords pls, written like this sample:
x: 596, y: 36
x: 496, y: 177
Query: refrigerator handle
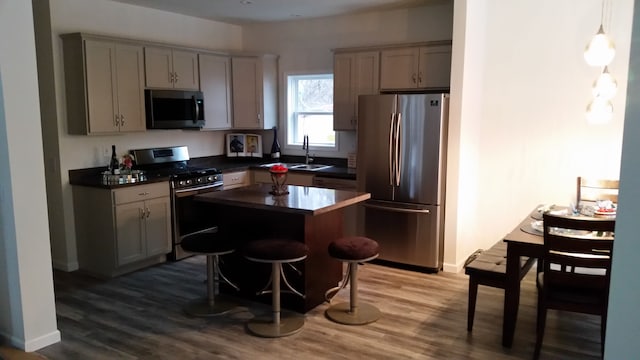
x: 391, y: 157
x: 393, y: 209
x: 397, y: 150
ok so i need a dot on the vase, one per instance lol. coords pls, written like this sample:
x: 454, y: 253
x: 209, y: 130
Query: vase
x: 279, y: 183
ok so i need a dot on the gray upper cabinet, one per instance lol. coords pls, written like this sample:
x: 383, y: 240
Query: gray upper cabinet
x: 417, y: 67
x: 254, y: 91
x: 215, y: 83
x: 168, y: 68
x: 354, y: 74
x: 104, y: 85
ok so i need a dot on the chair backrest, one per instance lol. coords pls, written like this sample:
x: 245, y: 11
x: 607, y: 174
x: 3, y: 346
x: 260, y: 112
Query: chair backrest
x: 596, y: 189
x: 573, y: 257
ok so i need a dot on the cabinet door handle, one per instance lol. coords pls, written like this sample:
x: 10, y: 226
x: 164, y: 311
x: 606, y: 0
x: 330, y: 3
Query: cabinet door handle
x: 141, y: 212
x: 420, y: 77
x: 116, y: 121
x: 148, y: 213
x: 413, y: 77
x: 175, y: 77
x: 170, y: 77
x: 258, y: 120
x: 121, y: 120
x: 143, y: 193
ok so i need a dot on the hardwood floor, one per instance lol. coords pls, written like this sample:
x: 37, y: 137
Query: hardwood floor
x: 139, y: 316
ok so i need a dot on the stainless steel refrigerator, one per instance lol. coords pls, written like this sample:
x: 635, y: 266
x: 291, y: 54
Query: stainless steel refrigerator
x: 402, y: 163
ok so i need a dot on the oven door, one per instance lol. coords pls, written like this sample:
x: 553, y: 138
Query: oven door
x: 189, y: 216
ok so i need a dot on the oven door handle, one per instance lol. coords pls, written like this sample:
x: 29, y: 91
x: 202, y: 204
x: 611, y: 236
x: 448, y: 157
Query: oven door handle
x: 203, y: 187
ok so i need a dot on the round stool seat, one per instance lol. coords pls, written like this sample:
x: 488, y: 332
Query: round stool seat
x: 354, y: 248
x: 276, y: 250
x: 212, y: 244
x: 208, y: 243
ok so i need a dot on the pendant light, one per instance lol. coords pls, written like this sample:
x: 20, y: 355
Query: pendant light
x: 601, y: 49
x: 599, y: 111
x: 600, y: 52
x: 605, y: 86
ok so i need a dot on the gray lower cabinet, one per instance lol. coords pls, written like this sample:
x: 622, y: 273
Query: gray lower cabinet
x: 122, y: 230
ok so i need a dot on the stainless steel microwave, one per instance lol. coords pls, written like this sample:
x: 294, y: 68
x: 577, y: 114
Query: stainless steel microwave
x: 174, y: 109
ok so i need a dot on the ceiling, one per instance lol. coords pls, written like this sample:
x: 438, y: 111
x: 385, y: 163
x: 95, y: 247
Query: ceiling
x: 249, y: 11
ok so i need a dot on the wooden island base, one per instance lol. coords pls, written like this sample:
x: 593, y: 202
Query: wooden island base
x: 310, y: 215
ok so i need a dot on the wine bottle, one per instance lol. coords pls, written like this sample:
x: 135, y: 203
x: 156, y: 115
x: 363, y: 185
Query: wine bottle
x: 275, y: 146
x: 114, y: 165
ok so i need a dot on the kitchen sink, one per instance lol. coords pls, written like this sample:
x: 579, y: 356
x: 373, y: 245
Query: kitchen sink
x: 298, y: 166
x: 311, y: 167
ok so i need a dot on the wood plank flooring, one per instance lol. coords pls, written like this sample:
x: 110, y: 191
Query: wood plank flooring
x: 139, y: 316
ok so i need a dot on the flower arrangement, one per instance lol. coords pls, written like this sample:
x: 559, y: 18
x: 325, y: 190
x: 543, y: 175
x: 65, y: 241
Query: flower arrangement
x: 278, y: 169
x: 127, y: 162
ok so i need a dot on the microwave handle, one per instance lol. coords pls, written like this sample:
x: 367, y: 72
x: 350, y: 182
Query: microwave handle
x: 195, y: 104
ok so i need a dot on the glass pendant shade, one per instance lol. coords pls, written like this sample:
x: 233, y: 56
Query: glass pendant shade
x: 600, y: 50
x: 599, y: 111
x: 605, y: 86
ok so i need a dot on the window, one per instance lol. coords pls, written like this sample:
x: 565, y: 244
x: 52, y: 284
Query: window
x: 310, y: 111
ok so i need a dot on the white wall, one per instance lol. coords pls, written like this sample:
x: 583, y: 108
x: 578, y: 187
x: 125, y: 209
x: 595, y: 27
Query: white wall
x: 306, y: 45
x: 27, y: 308
x: 522, y: 129
x: 121, y: 20
x: 623, y: 326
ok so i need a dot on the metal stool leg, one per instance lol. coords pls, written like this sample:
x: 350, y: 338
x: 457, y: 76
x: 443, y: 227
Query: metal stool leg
x: 279, y: 324
x: 353, y: 312
x: 210, y: 306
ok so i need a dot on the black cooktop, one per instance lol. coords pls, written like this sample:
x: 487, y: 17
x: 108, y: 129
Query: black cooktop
x: 177, y: 170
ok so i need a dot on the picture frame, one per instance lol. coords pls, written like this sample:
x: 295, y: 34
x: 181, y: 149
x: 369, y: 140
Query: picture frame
x: 235, y: 145
x: 253, y: 145
x: 244, y: 145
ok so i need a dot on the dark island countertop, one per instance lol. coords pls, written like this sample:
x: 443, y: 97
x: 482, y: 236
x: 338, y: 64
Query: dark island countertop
x: 300, y: 200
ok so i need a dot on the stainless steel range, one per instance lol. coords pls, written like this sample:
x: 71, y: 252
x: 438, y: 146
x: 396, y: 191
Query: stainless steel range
x: 187, y: 216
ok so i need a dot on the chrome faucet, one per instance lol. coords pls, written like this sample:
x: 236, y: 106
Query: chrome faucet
x: 305, y: 146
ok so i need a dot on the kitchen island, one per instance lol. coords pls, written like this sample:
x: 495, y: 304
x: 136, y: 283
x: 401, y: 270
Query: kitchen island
x: 307, y: 214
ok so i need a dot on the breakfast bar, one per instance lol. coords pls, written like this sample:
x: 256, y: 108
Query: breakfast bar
x: 307, y: 214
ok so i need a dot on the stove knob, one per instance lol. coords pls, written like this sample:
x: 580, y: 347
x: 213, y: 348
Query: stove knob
x: 189, y: 182
x: 199, y: 180
x: 181, y: 182
x: 210, y: 178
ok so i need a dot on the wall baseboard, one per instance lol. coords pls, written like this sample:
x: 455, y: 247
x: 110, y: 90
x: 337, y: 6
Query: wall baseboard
x: 65, y: 266
x: 33, y: 344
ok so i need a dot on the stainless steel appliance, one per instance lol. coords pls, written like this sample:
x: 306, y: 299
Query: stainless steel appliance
x: 174, y: 109
x: 187, y: 216
x: 401, y: 162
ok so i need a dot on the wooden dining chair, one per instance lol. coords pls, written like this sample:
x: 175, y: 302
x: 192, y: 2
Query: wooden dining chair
x: 596, y: 189
x: 576, y: 269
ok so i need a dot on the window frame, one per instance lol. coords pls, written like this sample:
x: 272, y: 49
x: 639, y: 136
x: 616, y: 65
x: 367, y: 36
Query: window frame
x: 292, y: 146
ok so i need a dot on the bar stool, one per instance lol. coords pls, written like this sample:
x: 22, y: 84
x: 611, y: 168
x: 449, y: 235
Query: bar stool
x: 276, y: 252
x: 352, y: 250
x: 213, y: 245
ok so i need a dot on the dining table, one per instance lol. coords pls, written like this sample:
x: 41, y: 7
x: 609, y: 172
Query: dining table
x: 524, y: 240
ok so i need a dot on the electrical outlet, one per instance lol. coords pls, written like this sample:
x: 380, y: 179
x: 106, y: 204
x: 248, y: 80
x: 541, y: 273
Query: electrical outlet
x: 106, y: 151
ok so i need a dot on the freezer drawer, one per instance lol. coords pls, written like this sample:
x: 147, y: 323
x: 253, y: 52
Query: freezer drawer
x: 406, y: 234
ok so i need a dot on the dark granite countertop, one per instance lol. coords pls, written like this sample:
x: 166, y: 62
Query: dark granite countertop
x: 92, y: 176
x: 338, y: 169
